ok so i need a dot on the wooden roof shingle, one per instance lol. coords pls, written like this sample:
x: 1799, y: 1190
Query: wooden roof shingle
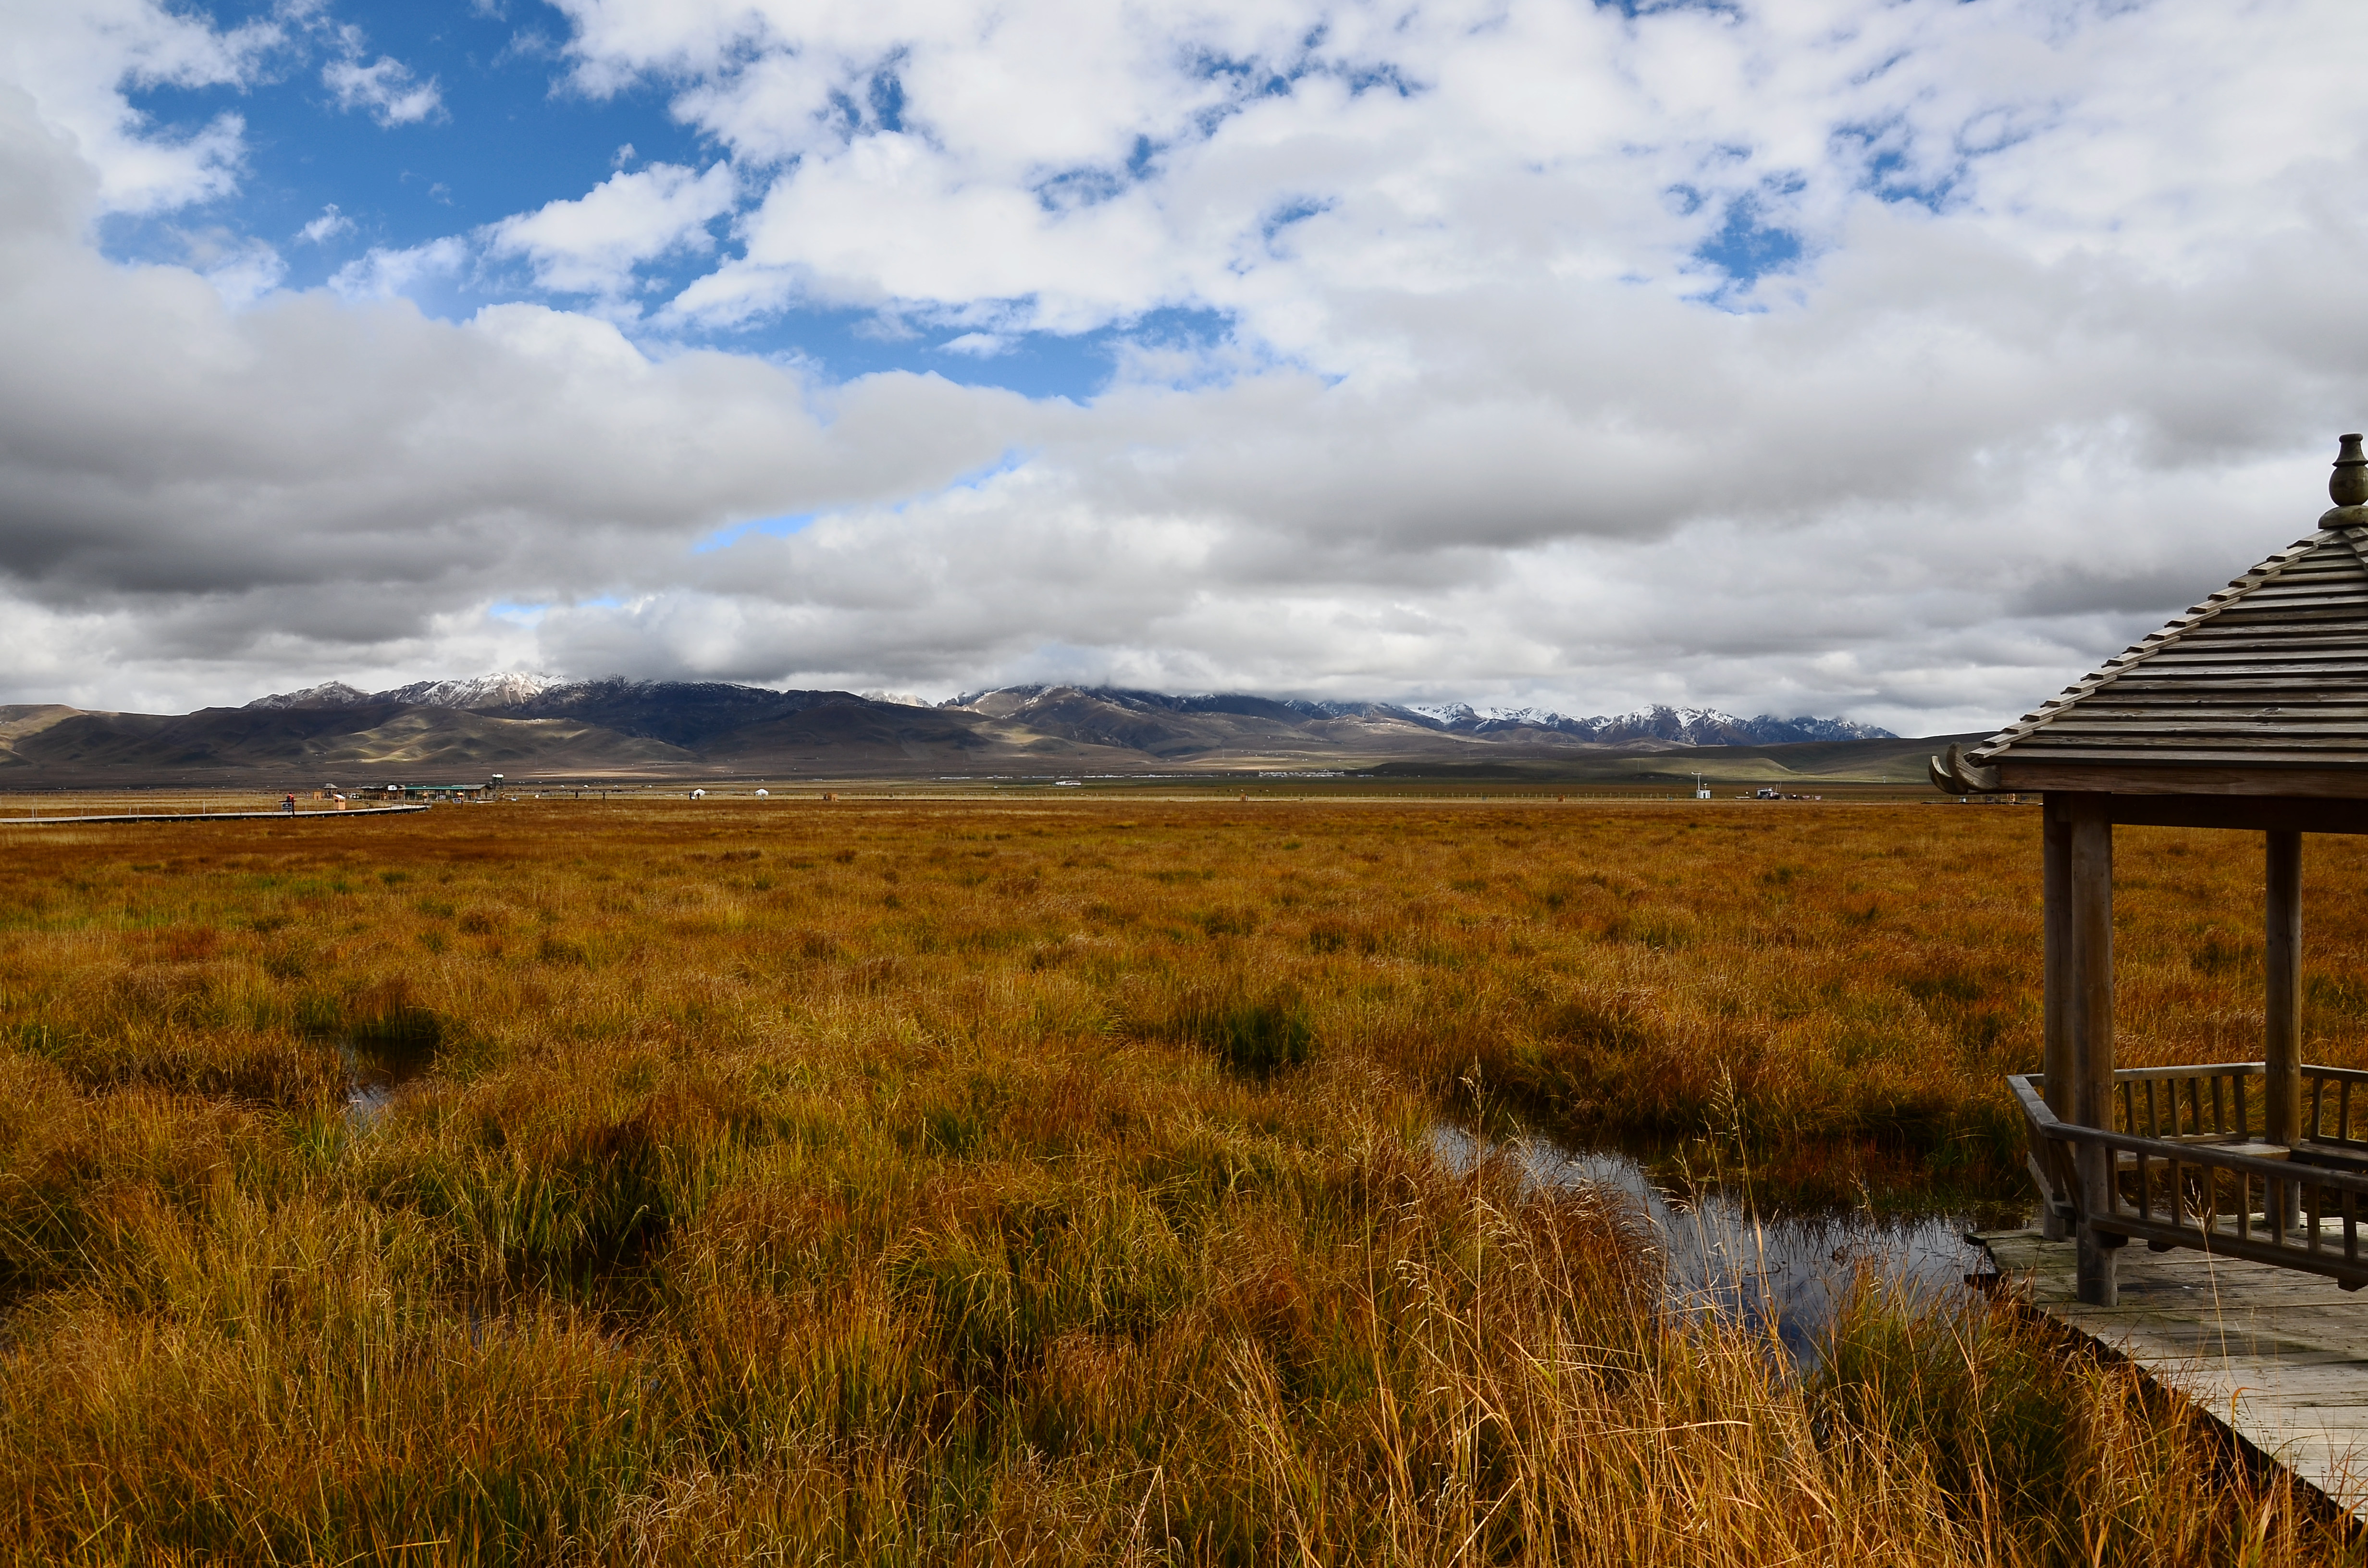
x: 2270, y: 673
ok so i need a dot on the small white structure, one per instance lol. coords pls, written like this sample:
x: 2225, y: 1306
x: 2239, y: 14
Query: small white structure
x: 762, y: 794
x: 699, y: 794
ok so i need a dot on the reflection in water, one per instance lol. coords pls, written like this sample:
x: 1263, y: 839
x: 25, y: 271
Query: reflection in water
x: 1788, y: 1275
x: 388, y: 1046
x: 372, y: 1076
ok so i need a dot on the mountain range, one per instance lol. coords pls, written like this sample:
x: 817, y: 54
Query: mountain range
x: 527, y: 726
x: 538, y: 696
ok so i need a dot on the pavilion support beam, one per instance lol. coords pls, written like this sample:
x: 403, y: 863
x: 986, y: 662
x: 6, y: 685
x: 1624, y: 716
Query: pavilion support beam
x: 2282, y: 1008
x: 2057, y: 861
x: 2089, y: 1000
x: 2282, y: 1000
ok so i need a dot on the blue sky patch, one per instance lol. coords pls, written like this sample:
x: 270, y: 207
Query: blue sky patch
x: 506, y: 138
x: 1297, y: 210
x: 1747, y: 248
x: 842, y: 344
x: 1887, y: 171
x: 1636, y: 10
x: 770, y: 527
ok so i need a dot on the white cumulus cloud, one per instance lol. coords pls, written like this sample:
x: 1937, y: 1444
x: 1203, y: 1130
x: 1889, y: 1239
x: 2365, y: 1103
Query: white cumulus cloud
x: 76, y: 62
x: 591, y: 244
x: 327, y: 226
x: 386, y: 272
x: 385, y: 87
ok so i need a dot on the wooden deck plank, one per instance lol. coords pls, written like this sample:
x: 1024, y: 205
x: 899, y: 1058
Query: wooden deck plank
x: 2278, y: 1357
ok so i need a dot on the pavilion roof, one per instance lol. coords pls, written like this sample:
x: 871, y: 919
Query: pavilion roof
x: 2272, y: 670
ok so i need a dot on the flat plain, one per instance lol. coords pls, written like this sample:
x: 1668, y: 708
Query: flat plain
x: 956, y: 1181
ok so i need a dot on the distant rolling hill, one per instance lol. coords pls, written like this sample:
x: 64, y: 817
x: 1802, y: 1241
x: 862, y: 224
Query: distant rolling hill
x: 528, y: 728
x: 1803, y: 765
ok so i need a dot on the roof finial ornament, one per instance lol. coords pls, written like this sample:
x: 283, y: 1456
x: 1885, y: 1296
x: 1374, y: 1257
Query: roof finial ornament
x: 2347, y: 487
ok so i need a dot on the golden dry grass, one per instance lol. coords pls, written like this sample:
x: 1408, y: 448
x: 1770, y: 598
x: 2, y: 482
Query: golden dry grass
x: 970, y: 1183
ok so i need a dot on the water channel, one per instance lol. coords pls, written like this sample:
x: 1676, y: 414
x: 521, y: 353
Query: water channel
x: 1786, y: 1275
x: 1782, y: 1274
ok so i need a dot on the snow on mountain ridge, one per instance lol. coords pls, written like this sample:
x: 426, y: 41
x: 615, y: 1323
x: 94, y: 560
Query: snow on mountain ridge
x: 328, y: 694
x: 1448, y: 713
x: 1679, y: 726
x: 1669, y: 725
x: 506, y: 690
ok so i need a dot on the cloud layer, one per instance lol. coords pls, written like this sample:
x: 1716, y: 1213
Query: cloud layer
x: 1894, y: 359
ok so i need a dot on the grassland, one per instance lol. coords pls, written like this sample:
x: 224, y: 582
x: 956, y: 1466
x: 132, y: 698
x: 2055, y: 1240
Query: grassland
x: 973, y: 1183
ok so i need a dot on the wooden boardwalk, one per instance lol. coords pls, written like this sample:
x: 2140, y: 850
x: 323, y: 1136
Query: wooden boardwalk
x: 211, y: 816
x: 2278, y: 1356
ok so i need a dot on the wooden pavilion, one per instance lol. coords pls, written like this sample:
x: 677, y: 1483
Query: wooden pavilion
x: 2249, y: 712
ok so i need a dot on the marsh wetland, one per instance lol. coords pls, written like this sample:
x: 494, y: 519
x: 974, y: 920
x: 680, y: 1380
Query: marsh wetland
x: 1097, y: 1180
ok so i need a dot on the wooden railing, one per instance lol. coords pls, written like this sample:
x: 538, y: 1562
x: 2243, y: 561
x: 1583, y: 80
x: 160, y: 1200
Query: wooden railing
x: 2189, y: 1168
x: 2216, y: 1102
x: 2330, y: 1089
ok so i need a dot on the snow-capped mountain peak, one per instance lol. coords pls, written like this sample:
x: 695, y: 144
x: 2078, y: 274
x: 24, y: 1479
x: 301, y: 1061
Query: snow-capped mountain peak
x: 508, y: 689
x: 328, y: 694
x: 1448, y: 713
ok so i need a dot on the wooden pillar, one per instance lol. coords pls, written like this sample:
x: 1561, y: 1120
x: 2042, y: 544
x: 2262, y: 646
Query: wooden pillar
x: 2282, y: 1003
x: 2089, y: 1000
x: 2055, y: 852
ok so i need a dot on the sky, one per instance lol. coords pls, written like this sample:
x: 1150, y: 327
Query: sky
x: 1898, y: 360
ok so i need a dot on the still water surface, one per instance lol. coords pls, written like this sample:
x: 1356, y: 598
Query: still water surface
x: 372, y: 1076
x: 1786, y: 1275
